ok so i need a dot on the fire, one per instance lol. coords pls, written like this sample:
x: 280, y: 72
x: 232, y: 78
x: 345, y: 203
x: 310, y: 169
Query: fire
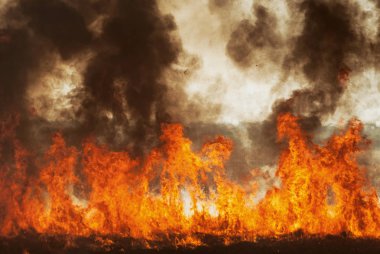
x: 176, y: 195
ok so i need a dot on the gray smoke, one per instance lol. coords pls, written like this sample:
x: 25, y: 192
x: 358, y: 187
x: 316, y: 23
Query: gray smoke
x: 328, y: 48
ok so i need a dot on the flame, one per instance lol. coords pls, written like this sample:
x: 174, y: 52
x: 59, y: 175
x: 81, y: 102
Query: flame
x: 176, y: 195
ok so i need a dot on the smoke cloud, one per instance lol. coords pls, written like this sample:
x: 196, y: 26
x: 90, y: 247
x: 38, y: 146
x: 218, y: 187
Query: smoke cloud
x: 127, y: 49
x: 248, y: 40
x: 325, y: 52
x: 115, y: 70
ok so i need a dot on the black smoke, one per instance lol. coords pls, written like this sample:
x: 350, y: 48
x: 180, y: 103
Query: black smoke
x: 62, y: 25
x: 125, y: 88
x: 124, y: 84
x: 134, y: 49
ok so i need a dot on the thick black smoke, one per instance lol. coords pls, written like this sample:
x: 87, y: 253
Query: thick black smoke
x: 60, y: 24
x: 126, y: 73
x: 19, y: 55
x: 124, y: 85
x: 32, y: 31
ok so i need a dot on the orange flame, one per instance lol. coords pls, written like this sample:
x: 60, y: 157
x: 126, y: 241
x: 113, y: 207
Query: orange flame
x: 178, y: 192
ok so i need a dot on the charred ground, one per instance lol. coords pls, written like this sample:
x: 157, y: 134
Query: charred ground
x: 294, y: 243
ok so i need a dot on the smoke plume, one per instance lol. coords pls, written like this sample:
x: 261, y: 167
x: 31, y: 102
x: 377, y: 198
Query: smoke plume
x: 129, y: 45
x: 116, y: 70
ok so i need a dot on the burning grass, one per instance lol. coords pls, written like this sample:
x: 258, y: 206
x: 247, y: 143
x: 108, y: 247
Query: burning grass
x: 180, y: 197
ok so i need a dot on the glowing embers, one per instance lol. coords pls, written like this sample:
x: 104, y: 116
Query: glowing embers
x: 176, y: 195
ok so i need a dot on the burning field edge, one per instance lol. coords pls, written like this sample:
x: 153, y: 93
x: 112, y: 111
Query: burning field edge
x: 297, y: 242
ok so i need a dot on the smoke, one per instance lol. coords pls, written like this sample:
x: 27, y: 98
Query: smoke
x: 117, y: 69
x: 61, y: 25
x: 250, y: 42
x: 18, y: 58
x: 126, y: 71
x: 324, y: 53
x: 310, y: 58
x: 123, y: 51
